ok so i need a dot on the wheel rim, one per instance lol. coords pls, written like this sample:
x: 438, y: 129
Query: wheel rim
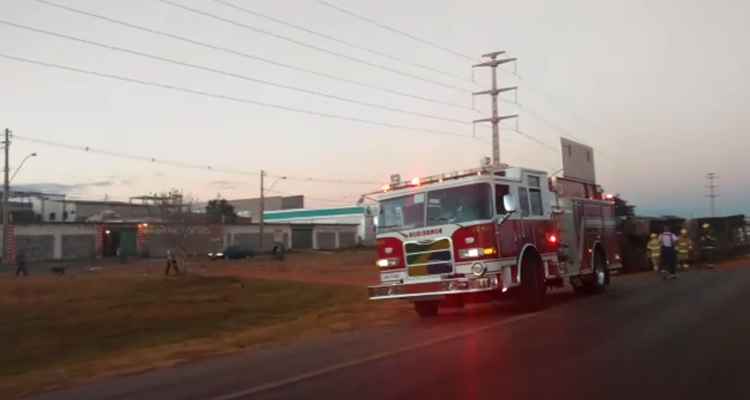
x: 600, y: 277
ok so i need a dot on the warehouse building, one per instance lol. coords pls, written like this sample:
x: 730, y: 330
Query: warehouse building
x: 362, y: 217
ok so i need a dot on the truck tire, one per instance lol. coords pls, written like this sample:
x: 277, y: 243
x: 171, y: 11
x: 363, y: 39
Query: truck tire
x: 427, y: 309
x: 598, y: 280
x: 601, y: 273
x: 533, y: 288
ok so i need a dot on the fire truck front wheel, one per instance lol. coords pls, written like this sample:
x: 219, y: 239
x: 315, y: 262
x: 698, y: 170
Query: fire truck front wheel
x: 533, y: 288
x: 427, y: 308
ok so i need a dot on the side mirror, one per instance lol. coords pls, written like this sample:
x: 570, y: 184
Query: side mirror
x: 509, y: 203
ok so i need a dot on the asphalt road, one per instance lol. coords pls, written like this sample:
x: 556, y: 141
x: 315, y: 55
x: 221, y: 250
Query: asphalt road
x: 644, y: 338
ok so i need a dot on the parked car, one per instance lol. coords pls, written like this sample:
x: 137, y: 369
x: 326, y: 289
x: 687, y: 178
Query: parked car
x: 231, y: 253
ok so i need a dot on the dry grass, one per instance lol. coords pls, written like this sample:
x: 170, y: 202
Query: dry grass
x: 351, y: 267
x: 61, y: 331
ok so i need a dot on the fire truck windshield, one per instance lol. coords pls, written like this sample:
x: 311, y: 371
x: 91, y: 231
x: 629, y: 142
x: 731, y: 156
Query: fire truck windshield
x: 437, y: 207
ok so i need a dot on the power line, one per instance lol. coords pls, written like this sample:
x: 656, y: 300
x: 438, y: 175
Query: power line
x: 542, y: 143
x: 246, y: 101
x: 337, y: 40
x: 132, y: 157
x: 468, y: 57
x: 322, y: 180
x: 394, y: 30
x: 313, y: 47
x: 231, y: 74
x: 465, y: 56
x: 182, y: 164
x: 254, y: 57
x: 231, y: 98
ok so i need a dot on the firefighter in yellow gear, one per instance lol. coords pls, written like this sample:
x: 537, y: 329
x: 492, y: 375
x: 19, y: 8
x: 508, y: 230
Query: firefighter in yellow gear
x: 684, y: 249
x: 654, y: 251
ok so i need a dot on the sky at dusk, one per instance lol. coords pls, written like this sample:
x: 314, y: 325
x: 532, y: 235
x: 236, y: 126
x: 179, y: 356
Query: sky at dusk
x: 658, y: 88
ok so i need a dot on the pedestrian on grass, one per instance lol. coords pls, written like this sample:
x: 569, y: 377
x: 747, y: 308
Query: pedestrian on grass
x: 171, y: 263
x: 684, y: 248
x: 653, y: 249
x: 668, y: 253
x: 21, y: 264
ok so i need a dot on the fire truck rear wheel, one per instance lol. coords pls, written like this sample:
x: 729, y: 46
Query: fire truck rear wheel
x: 601, y: 274
x: 427, y: 309
x: 533, y: 288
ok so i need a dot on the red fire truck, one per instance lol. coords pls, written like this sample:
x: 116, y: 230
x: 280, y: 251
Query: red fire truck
x: 492, y: 232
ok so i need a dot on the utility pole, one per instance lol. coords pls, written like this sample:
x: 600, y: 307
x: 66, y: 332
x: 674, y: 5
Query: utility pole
x: 493, y: 63
x: 6, y: 193
x: 262, y: 210
x: 712, y: 195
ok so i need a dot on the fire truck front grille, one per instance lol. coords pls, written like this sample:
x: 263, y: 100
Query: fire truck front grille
x: 429, y: 257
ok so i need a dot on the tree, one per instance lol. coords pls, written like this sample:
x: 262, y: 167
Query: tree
x: 220, y: 211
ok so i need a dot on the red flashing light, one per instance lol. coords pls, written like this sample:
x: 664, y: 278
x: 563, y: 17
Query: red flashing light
x: 552, y: 238
x: 415, y: 181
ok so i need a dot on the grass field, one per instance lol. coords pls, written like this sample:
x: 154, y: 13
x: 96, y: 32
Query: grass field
x: 61, y: 331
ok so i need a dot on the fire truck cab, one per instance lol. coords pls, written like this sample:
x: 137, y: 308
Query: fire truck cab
x: 481, y: 234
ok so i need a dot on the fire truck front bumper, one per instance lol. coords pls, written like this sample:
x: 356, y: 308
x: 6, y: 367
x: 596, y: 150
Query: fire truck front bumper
x: 435, y: 289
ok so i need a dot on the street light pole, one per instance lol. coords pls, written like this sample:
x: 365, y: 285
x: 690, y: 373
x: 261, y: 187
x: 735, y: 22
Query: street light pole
x: 263, y: 203
x: 21, y: 166
x: 262, y: 210
x: 6, y: 190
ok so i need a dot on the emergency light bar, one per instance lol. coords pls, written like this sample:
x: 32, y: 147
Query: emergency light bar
x: 397, y: 183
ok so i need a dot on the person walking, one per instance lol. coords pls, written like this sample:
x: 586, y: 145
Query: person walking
x: 653, y: 248
x: 171, y: 263
x: 21, y: 264
x: 668, y: 254
x: 684, y: 249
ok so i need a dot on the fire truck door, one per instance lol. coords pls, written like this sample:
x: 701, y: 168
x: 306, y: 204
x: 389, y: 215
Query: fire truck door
x: 508, y: 232
x: 524, y: 227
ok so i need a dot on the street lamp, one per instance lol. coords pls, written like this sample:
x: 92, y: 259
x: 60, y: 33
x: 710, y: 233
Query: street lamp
x: 6, y: 191
x: 263, y: 205
x: 21, y: 165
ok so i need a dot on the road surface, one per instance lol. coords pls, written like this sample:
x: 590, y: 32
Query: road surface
x: 644, y: 338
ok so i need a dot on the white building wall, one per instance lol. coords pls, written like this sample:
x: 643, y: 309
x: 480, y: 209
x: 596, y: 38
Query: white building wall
x: 57, y: 231
x: 364, y: 224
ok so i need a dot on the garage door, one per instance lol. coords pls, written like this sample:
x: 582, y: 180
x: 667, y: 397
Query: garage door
x: 326, y: 240
x: 78, y: 246
x: 347, y: 240
x: 302, y: 238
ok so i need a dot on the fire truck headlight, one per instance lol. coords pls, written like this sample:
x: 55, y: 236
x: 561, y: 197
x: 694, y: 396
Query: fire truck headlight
x: 387, y: 262
x: 478, y: 269
x: 470, y: 253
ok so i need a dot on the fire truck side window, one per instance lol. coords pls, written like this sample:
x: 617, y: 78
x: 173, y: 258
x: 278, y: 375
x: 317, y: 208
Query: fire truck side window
x: 535, y: 198
x: 500, y: 192
x: 523, y: 199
